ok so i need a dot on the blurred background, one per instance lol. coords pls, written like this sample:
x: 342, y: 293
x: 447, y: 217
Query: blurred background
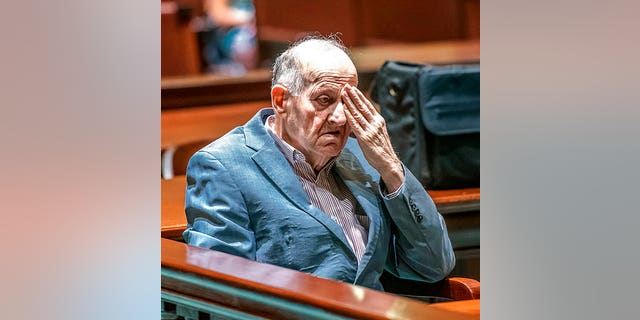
x: 252, y: 33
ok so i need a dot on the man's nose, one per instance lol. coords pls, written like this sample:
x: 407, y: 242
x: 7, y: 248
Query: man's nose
x: 337, y: 117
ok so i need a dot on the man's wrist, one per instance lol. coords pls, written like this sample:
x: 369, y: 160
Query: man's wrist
x: 394, y: 177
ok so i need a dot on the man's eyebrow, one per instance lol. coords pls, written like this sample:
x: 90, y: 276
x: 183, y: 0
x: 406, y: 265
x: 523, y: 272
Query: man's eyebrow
x: 319, y: 75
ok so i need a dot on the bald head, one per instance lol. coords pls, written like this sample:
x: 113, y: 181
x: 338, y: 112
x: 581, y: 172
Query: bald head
x: 299, y: 65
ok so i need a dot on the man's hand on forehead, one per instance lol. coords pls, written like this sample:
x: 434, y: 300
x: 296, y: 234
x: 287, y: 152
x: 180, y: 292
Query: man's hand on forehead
x: 371, y: 131
x: 358, y: 107
x: 331, y: 84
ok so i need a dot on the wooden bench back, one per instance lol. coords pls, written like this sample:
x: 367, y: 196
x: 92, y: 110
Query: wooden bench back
x: 185, y: 131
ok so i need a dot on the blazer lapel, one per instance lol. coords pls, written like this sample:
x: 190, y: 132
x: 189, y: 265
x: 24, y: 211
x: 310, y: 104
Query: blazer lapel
x: 276, y: 167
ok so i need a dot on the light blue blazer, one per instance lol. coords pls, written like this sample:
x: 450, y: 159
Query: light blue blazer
x: 244, y: 198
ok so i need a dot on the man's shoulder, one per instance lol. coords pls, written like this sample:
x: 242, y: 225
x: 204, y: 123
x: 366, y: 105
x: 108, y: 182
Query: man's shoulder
x: 229, y: 145
x: 240, y: 138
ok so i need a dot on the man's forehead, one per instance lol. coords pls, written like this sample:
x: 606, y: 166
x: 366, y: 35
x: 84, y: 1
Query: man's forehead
x: 332, y: 76
x: 325, y: 59
x: 327, y: 70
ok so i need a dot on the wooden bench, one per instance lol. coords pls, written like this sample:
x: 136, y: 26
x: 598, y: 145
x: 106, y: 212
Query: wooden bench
x: 186, y: 126
x: 212, y: 89
x: 179, y: 45
x: 184, y: 131
x: 200, y: 283
x: 202, y: 90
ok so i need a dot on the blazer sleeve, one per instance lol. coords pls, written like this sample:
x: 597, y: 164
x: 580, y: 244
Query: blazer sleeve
x: 216, y: 213
x: 420, y: 245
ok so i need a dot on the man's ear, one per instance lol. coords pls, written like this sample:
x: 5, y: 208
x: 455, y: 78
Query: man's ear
x: 278, y: 95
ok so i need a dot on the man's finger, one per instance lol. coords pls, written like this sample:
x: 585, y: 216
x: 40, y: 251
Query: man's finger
x: 353, y: 121
x: 355, y: 114
x: 360, y: 101
x: 372, y: 110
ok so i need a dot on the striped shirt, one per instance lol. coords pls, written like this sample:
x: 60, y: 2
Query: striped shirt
x: 328, y: 193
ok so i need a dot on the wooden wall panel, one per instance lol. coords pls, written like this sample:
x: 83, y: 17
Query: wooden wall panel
x: 367, y: 22
x: 411, y: 21
x: 288, y: 20
x: 472, y: 18
x: 179, y: 45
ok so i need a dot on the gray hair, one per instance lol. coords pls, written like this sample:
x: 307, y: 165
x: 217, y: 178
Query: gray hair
x: 289, y: 70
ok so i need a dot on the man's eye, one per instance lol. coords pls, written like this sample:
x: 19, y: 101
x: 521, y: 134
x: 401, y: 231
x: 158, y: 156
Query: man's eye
x: 324, y: 100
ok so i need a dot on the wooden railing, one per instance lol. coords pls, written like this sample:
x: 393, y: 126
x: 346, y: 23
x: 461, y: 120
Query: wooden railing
x: 212, y: 89
x: 184, y: 126
x: 185, y: 131
x: 197, y: 282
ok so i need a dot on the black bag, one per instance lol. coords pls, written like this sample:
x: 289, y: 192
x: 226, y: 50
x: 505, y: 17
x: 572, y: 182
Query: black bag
x: 433, y: 119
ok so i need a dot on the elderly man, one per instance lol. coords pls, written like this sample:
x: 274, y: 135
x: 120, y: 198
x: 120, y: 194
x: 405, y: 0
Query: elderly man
x: 293, y: 189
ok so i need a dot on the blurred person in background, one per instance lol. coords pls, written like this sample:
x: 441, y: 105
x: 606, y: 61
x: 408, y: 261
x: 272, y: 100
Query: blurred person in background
x: 228, y: 36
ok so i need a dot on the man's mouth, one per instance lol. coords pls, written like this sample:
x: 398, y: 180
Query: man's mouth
x: 334, y: 132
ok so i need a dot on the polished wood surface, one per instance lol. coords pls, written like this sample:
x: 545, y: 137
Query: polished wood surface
x: 455, y: 195
x: 211, y: 89
x: 179, y: 46
x: 174, y: 221
x: 463, y: 288
x: 412, y: 21
x: 289, y: 285
x: 289, y: 20
x: 470, y: 307
x: 369, y: 59
x: 365, y: 22
x: 184, y: 126
x: 199, y: 90
x: 472, y: 18
x: 456, y: 200
x: 213, y: 79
